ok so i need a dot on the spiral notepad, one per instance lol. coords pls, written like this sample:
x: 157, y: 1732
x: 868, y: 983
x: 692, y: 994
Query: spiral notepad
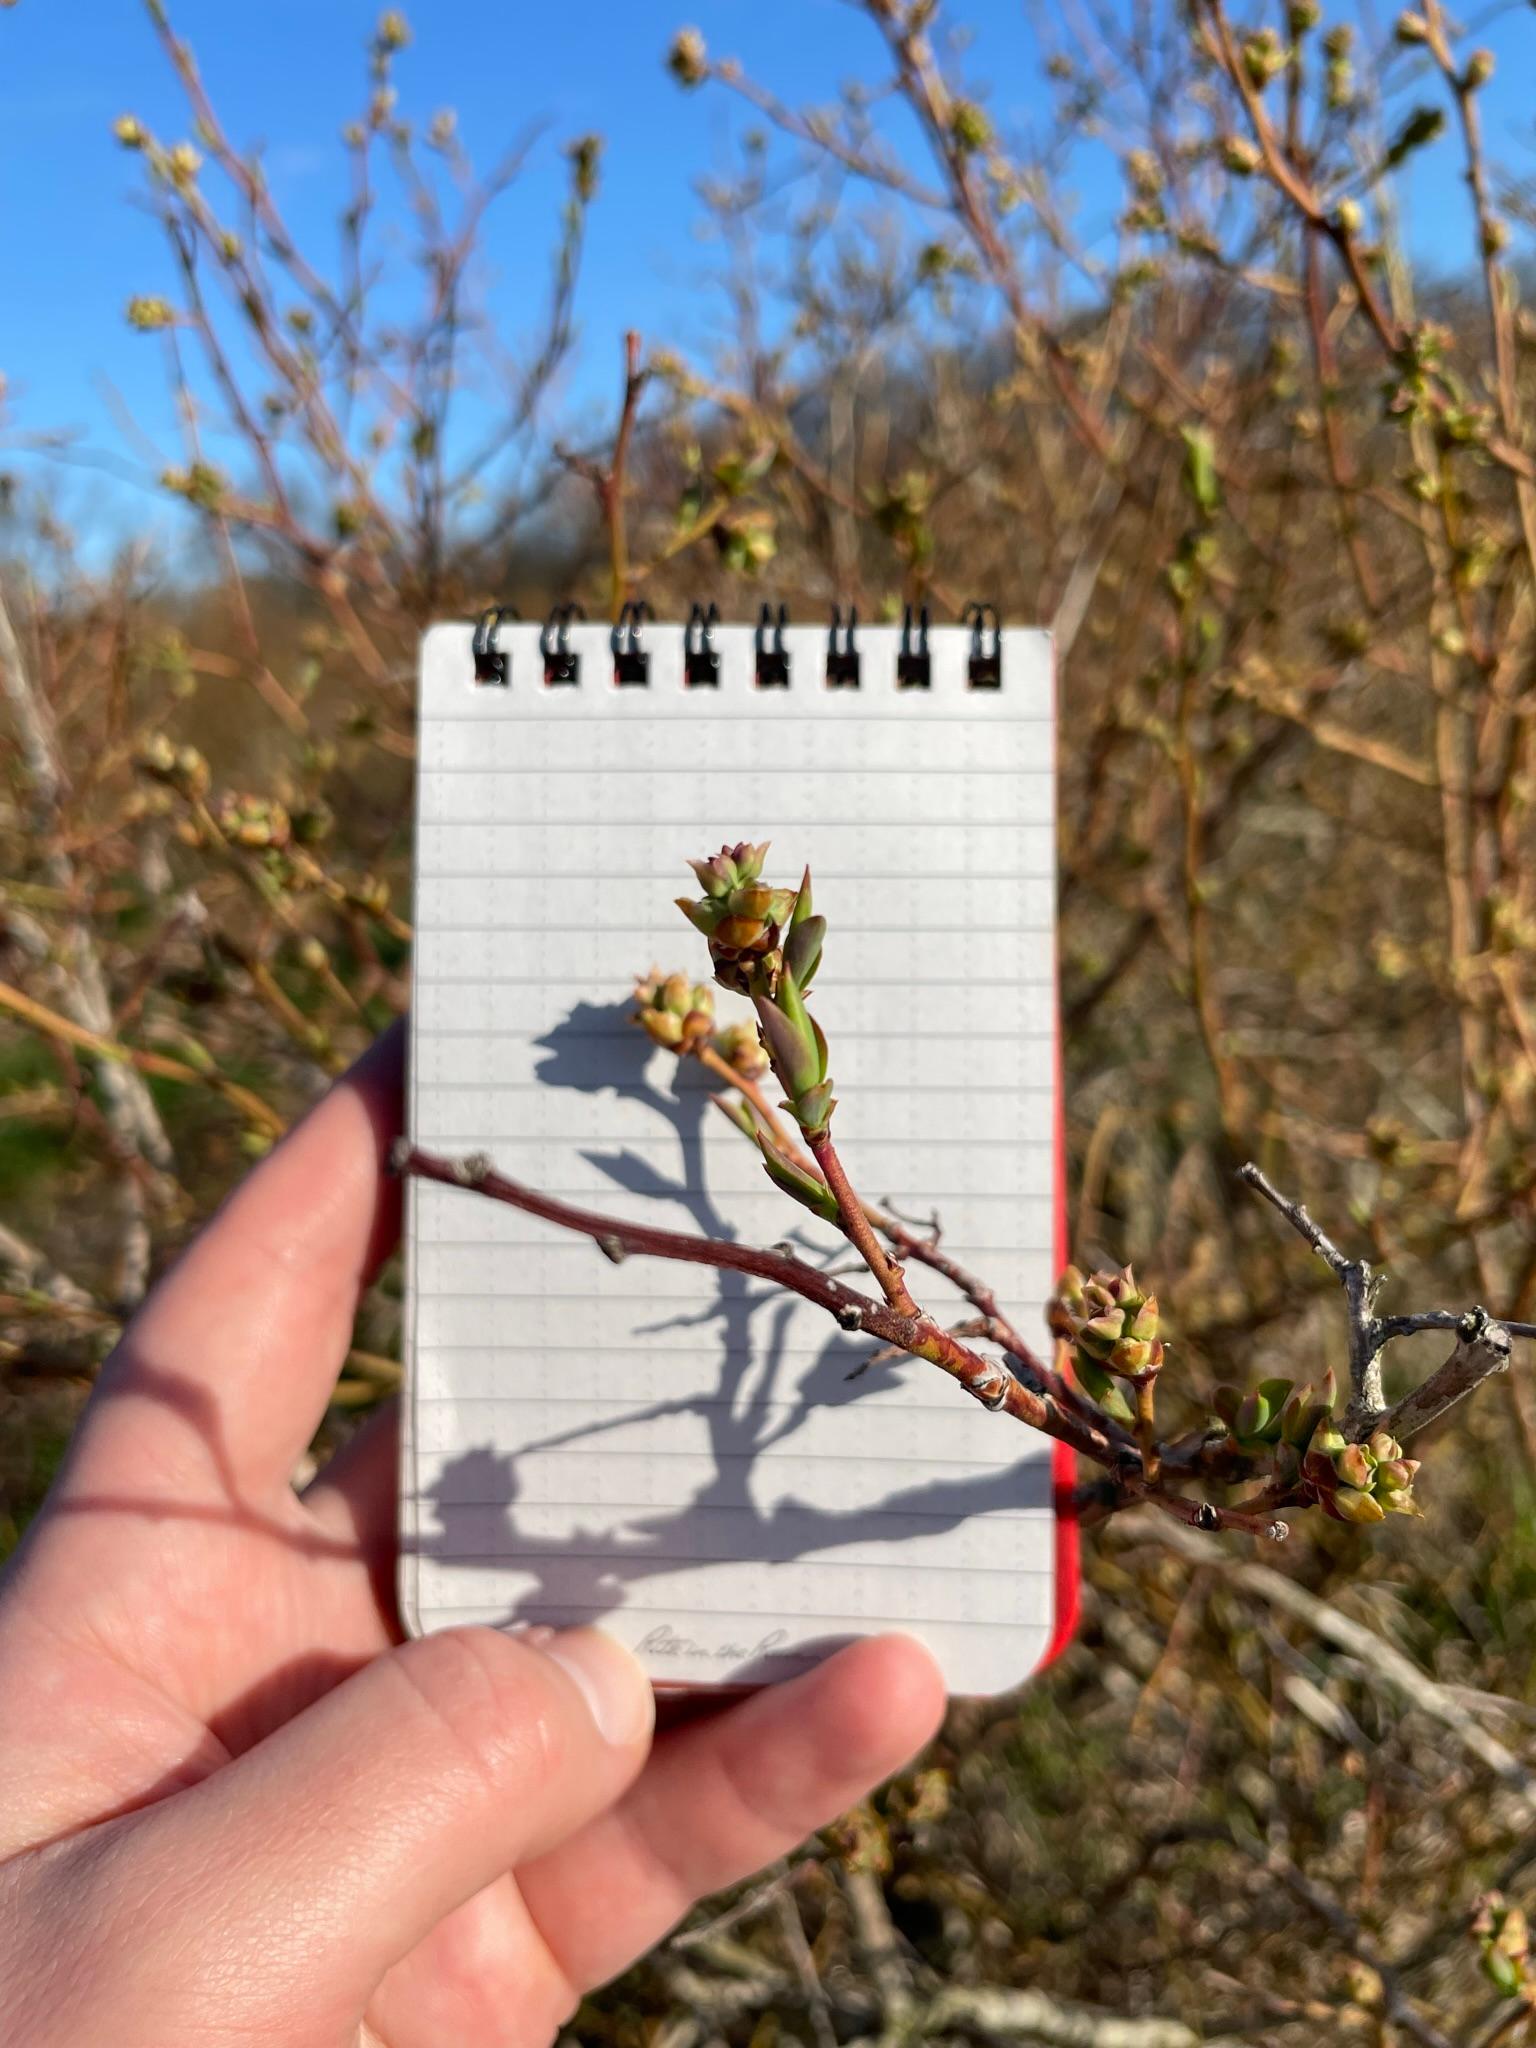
x: 701, y: 1464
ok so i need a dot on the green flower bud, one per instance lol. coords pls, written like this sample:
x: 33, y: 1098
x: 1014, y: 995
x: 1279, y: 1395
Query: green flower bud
x: 1480, y: 67
x: 1350, y: 1505
x: 969, y: 127
x: 149, y: 315
x: 1133, y: 1359
x: 1102, y: 1388
x: 1264, y: 57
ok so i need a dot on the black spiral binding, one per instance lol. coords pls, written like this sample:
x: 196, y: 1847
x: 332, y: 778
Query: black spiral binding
x: 986, y: 664
x: 842, y: 654
x: 631, y: 663
x: 560, y: 664
x: 772, y: 656
x: 490, y: 662
x: 914, y: 669
x: 701, y: 658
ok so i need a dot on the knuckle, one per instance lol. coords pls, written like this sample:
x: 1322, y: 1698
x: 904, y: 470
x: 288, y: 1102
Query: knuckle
x: 485, y: 1697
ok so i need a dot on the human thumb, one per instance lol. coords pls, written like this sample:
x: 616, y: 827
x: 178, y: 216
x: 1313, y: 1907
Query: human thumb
x: 341, y: 1840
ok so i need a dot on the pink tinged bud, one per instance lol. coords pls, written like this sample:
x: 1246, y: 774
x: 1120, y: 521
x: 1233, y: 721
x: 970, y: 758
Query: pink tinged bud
x: 713, y: 879
x: 1101, y: 1334
x: 1125, y: 1290
x: 1393, y: 1476
x: 1356, y: 1467
x: 1144, y: 1322
x: 1131, y: 1357
x: 1096, y: 1295
x: 1298, y: 1417
x: 1513, y: 1938
x: 1070, y: 1286
x: 1383, y: 1447
x: 702, y: 916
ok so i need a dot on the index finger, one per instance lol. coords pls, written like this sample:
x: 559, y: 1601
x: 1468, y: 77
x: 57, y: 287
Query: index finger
x: 221, y: 1378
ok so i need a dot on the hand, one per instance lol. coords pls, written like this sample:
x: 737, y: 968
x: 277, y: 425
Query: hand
x: 234, y: 1807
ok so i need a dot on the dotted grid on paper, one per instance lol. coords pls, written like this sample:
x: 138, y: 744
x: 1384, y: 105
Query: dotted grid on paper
x: 675, y: 1453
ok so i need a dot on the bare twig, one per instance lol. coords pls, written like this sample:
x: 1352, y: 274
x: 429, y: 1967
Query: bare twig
x: 1483, y: 1348
x: 1483, y: 1343
x: 985, y: 1379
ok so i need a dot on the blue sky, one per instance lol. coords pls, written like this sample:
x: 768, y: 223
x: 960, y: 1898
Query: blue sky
x: 74, y: 247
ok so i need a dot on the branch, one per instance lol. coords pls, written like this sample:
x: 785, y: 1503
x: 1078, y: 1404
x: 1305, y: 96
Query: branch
x: 1483, y: 1348
x: 1483, y: 1345
x: 1298, y: 1218
x: 118, y: 1057
x: 1366, y: 1396
x: 985, y: 1379
x: 986, y: 2011
x: 857, y: 1227
x: 127, y: 1105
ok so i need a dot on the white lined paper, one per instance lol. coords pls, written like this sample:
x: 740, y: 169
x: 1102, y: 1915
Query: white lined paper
x: 675, y: 1452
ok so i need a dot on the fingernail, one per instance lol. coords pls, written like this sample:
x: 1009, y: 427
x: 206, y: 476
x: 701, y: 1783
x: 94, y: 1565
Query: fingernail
x: 534, y: 1633
x: 617, y: 1691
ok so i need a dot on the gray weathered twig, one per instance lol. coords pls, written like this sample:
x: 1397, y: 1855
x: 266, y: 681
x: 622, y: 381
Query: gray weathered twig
x: 1366, y: 1396
x: 1483, y: 1347
x: 1483, y: 1341
x: 126, y: 1102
